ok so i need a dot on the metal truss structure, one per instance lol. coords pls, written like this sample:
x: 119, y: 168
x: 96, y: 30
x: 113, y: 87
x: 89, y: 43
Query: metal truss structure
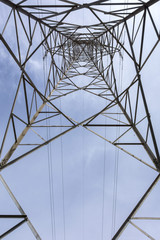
x: 120, y: 30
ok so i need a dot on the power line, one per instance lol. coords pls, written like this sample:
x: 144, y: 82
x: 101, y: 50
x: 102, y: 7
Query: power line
x: 104, y: 183
x: 83, y: 177
x: 116, y: 166
x: 62, y: 178
x: 49, y: 156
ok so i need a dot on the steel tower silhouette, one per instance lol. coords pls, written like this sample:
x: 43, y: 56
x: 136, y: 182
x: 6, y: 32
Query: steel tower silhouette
x: 89, y: 50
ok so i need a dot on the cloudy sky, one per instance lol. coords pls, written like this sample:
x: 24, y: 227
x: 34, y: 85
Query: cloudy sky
x: 78, y: 186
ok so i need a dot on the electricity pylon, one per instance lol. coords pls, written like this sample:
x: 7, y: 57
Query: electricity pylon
x: 119, y: 30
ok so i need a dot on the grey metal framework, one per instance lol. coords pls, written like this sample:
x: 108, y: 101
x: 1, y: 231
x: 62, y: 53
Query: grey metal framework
x: 71, y: 46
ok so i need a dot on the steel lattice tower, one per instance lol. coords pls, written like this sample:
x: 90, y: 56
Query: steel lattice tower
x: 120, y: 30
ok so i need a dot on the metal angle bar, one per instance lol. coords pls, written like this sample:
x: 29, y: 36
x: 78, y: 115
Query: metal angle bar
x: 9, y: 3
x: 140, y: 160
x: 54, y: 61
x: 48, y: 112
x: 46, y: 6
x: 23, y: 135
x: 150, y: 54
x: 35, y: 50
x: 136, y: 33
x: 46, y: 37
x: 29, y: 144
x: 129, y: 143
x: 106, y: 45
x: 9, y: 50
x: 21, y: 2
x: 16, y: 60
x: 75, y: 7
x: 103, y: 45
x: 2, y: 166
x: 142, y: 231
x: 96, y: 88
x: 19, y: 139
x: 43, y: 119
x: 130, y: 107
x: 108, y: 125
x: 136, y: 106
x: 109, y: 30
x: 14, y: 101
x: 142, y: 38
x: 101, y: 137
x: 29, y: 25
x: 54, y: 126
x: 95, y: 94
x: 127, y: 130
x: 32, y: 101
x: 153, y: 23
x: 67, y: 1
x: 13, y: 216
x: 122, y: 149
x: 122, y: 11
x: 65, y: 94
x: 120, y: 3
x: 64, y: 74
x: 63, y: 6
x: 119, y: 147
x: 105, y: 114
x: 20, y: 208
x: 156, y: 161
x: 14, y: 130
x: 147, y: 133
x: 133, y: 27
x: 117, y: 120
x: 26, y: 100
x: 72, y: 8
x: 146, y: 218
x: 20, y: 9
x: 131, y: 215
x: 17, y: 36
x: 72, y: 67
x: 8, y: 155
x: 32, y: 120
x: 112, y: 102
x: 12, y: 54
x: 140, y: 9
x: 7, y: 22
x: 23, y: 27
x: 140, y: 137
x: 68, y: 37
x: 112, y: 113
x: 12, y: 229
x: 42, y: 12
x: 14, y: 115
x: 108, y: 13
x: 37, y: 135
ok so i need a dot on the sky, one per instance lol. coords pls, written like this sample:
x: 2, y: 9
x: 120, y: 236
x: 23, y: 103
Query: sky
x: 78, y: 186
